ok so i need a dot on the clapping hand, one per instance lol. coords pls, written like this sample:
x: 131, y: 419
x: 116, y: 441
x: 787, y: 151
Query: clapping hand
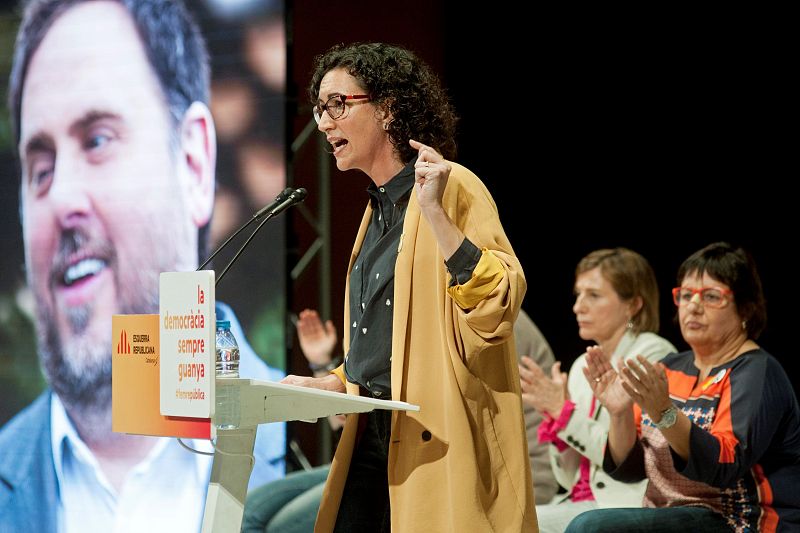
x: 646, y: 384
x: 545, y: 394
x: 317, y: 340
x: 604, y: 381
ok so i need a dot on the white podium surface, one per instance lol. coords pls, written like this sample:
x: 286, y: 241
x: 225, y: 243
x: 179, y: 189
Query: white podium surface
x: 263, y: 402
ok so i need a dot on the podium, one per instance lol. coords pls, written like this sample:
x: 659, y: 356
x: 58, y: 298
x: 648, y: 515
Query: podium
x: 136, y: 409
x: 264, y: 402
x: 163, y: 384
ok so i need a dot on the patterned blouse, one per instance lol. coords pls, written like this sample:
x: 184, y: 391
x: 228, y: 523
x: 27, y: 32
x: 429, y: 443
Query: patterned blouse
x: 744, y: 445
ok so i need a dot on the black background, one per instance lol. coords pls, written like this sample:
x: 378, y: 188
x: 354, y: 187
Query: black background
x: 658, y: 131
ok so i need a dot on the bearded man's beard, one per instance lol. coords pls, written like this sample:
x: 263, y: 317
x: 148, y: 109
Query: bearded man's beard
x: 79, y: 373
x: 78, y: 367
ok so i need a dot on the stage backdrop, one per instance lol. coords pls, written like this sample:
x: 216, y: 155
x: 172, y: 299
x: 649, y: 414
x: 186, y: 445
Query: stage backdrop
x: 600, y: 134
x: 247, y: 44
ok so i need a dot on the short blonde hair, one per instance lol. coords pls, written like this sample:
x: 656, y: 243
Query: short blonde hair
x: 630, y: 275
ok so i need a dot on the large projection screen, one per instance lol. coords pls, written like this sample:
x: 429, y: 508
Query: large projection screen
x: 247, y: 47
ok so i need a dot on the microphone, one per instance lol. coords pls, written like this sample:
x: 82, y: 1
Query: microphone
x: 260, y: 213
x: 278, y: 199
x: 295, y: 197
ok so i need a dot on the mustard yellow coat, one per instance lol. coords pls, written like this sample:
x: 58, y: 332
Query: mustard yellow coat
x: 456, y: 360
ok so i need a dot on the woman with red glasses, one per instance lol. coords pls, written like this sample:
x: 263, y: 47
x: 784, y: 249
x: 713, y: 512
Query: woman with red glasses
x: 716, y: 429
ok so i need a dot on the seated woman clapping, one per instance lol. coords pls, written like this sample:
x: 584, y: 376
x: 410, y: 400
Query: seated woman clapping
x: 716, y: 429
x: 616, y: 306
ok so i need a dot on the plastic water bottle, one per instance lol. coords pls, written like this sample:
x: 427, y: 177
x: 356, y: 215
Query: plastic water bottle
x: 227, y: 410
x: 227, y: 351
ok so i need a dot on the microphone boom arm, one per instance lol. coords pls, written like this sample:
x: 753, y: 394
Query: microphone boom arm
x: 297, y: 196
x: 238, y: 253
x: 278, y: 199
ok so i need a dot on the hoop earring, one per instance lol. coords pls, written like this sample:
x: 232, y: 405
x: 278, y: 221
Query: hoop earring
x: 386, y: 126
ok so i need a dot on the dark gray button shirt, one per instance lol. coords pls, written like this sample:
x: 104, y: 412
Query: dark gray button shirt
x: 369, y: 360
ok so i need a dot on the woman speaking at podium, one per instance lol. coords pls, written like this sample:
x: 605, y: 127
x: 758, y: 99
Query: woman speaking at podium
x: 432, y: 293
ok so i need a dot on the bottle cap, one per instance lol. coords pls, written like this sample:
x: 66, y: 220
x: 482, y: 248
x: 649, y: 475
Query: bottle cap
x: 223, y: 324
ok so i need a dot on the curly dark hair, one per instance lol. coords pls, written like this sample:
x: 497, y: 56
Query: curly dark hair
x: 735, y: 267
x: 402, y: 84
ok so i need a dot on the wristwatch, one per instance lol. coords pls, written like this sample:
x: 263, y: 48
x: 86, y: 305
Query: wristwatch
x: 668, y: 418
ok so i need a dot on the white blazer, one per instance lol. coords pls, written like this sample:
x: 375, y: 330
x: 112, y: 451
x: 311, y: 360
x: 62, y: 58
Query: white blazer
x: 587, y: 435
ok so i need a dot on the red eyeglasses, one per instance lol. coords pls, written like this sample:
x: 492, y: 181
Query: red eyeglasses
x: 335, y: 105
x: 711, y: 296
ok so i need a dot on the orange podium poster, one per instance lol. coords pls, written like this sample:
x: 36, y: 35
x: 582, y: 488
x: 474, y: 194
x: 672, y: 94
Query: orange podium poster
x: 135, y: 383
